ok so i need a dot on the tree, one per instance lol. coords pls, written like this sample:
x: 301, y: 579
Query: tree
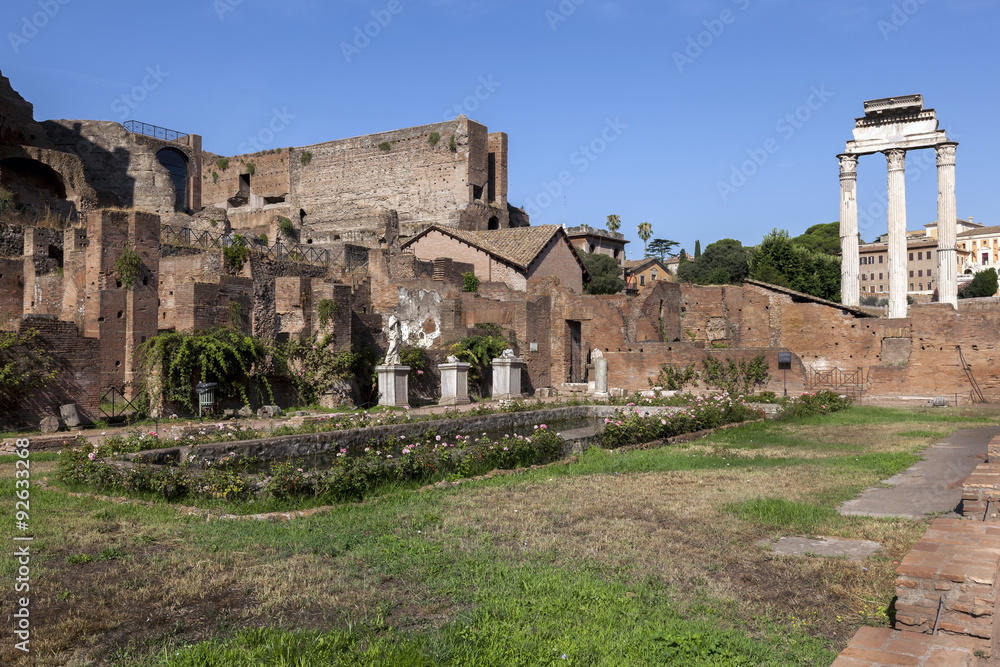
x: 605, y: 274
x: 984, y: 284
x: 822, y: 238
x: 723, y: 262
x: 697, y: 249
x: 778, y: 260
x: 614, y: 223
x: 660, y: 248
x: 645, y: 232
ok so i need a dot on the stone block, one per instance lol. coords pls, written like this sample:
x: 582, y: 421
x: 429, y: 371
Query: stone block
x: 69, y: 414
x: 268, y: 412
x: 393, y: 385
x: 49, y: 425
x: 245, y: 412
x: 454, y: 383
x: 507, y: 378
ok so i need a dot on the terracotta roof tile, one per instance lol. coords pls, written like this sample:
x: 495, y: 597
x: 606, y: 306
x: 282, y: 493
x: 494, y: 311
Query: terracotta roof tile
x: 518, y: 245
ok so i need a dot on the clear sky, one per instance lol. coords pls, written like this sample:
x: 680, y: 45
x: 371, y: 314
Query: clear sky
x: 643, y: 108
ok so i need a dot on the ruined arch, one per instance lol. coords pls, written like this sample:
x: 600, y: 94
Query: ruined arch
x: 37, y: 186
x: 178, y: 166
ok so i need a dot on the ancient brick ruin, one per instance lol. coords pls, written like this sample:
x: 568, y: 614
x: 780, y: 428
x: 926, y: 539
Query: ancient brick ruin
x: 382, y: 225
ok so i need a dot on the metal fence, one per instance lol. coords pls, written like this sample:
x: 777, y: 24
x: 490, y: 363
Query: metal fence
x: 850, y: 383
x: 137, y: 127
x: 114, y: 405
x: 354, y: 259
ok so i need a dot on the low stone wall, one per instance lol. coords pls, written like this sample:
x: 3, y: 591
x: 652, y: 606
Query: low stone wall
x: 322, y: 448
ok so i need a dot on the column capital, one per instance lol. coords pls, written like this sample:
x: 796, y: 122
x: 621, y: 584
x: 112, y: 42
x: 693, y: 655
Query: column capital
x: 946, y: 154
x: 848, y: 165
x: 896, y: 157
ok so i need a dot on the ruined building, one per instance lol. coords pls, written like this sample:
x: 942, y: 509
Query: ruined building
x: 382, y: 225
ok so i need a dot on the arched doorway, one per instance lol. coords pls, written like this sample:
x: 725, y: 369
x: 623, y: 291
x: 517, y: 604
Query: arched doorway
x: 37, y: 188
x: 176, y: 164
x: 494, y: 223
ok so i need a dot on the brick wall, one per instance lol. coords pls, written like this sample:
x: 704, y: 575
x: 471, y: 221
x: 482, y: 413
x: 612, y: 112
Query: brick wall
x: 435, y: 244
x: 11, y: 293
x: 558, y: 260
x: 78, y: 379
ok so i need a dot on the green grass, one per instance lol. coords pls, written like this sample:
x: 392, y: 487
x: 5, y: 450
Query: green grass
x: 38, y: 457
x: 924, y: 434
x: 780, y: 513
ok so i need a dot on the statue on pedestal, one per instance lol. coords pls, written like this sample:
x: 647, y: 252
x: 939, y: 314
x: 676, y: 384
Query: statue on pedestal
x: 394, y: 336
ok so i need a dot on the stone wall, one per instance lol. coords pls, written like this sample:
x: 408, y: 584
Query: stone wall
x: 78, y: 379
x: 11, y: 290
x: 336, y: 191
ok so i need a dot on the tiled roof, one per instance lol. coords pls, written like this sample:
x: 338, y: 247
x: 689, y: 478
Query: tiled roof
x: 518, y: 245
x: 981, y: 231
x: 632, y: 264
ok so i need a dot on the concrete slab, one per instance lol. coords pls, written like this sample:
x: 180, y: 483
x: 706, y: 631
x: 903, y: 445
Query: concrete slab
x: 931, y: 486
x: 824, y: 546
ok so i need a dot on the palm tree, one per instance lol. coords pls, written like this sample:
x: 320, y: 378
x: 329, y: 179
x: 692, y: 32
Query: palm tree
x: 645, y: 231
x: 614, y: 223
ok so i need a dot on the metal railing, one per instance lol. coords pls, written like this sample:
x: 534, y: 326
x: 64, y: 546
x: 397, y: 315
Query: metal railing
x: 115, y: 406
x: 423, y: 269
x: 851, y: 383
x: 138, y: 127
x: 353, y: 260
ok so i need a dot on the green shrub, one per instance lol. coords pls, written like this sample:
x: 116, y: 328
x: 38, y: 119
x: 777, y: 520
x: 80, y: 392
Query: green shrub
x: 385, y: 146
x: 263, y: 238
x: 818, y: 403
x: 433, y: 138
x: 223, y: 163
x: 215, y: 176
x: 127, y: 265
x: 251, y: 168
x: 480, y: 351
x: 674, y: 379
x: 983, y: 284
x: 415, y: 358
x: 452, y: 146
x: 286, y: 228
x: 630, y: 427
x: 326, y: 309
x: 470, y: 283
x: 236, y: 254
x: 736, y: 377
x: 305, y: 157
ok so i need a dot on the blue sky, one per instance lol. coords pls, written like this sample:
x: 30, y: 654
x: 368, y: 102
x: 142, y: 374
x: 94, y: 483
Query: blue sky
x: 666, y: 97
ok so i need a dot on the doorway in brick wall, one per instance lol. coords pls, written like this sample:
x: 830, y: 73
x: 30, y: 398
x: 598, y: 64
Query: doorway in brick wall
x: 575, y: 342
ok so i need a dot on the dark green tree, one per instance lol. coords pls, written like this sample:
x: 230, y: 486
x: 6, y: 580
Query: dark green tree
x: 823, y: 238
x: 778, y: 260
x: 697, y: 249
x: 722, y: 262
x: 605, y: 274
x: 660, y: 248
x: 983, y: 284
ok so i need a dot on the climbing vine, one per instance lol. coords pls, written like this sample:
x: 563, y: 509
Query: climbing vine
x: 173, y: 362
x: 236, y: 254
x: 127, y: 265
x: 316, y: 366
x: 326, y: 309
x: 24, y: 365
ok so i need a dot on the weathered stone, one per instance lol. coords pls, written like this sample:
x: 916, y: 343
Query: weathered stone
x: 245, y: 412
x: 940, y: 402
x: 229, y: 413
x: 268, y: 412
x: 455, y: 383
x: 393, y: 385
x: 49, y: 425
x: 507, y: 377
x: 69, y: 414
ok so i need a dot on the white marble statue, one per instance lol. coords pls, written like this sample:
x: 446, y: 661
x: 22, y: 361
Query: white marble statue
x: 507, y: 354
x: 394, y: 337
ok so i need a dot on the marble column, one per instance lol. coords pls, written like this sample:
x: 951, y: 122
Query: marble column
x: 947, y: 260
x: 850, y: 284
x: 601, y: 378
x: 896, y: 158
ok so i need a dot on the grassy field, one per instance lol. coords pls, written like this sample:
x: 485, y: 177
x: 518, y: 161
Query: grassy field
x: 646, y: 557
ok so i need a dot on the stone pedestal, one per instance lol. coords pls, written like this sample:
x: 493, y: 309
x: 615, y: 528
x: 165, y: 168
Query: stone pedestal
x: 601, y: 378
x: 393, y: 385
x: 507, y: 378
x: 454, y: 384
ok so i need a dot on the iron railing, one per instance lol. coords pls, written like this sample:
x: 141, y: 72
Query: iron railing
x: 850, y: 383
x: 423, y: 269
x: 115, y: 406
x: 137, y: 127
x: 354, y: 259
